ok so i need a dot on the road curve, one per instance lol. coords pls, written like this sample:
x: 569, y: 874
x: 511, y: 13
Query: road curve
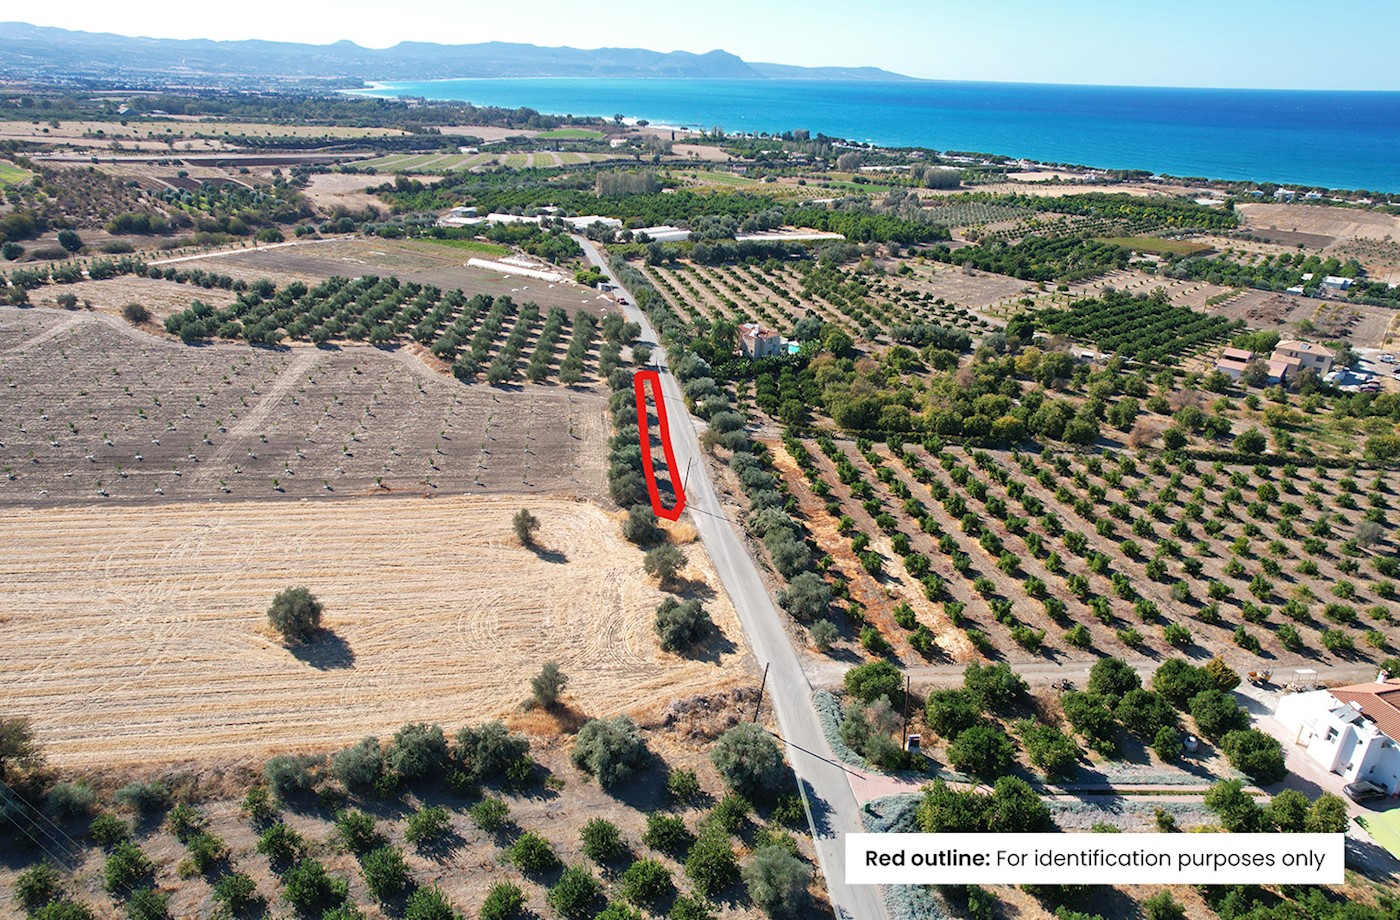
x: 835, y: 811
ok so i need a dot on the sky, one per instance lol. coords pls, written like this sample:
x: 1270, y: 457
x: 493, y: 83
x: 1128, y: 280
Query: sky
x: 1267, y: 44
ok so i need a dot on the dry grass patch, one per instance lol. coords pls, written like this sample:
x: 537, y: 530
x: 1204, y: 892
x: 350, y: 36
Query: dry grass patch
x: 142, y: 635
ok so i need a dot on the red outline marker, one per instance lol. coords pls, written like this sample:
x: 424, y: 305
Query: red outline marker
x: 639, y: 382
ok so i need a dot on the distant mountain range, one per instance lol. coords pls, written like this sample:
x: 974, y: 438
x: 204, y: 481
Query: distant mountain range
x: 47, y: 54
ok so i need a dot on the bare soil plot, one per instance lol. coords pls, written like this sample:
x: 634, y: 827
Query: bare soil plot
x: 1320, y: 220
x: 409, y: 260
x: 348, y: 190
x: 98, y: 411
x: 142, y: 635
x: 1365, y: 326
x: 966, y: 287
x: 161, y: 298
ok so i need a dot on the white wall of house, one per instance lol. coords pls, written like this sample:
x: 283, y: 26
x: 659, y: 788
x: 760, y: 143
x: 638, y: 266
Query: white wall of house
x: 1340, y: 739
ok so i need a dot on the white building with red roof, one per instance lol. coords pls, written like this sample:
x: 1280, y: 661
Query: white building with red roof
x: 1351, y: 731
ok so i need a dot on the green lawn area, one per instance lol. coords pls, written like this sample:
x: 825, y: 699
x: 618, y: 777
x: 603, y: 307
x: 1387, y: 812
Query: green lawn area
x: 486, y: 249
x: 724, y: 178
x: 1156, y: 244
x: 516, y: 160
x: 1384, y: 828
x: 571, y: 134
x: 10, y: 174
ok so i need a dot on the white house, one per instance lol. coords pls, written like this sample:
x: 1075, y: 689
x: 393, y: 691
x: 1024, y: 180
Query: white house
x: 757, y: 342
x: 1336, y: 282
x: 1350, y: 731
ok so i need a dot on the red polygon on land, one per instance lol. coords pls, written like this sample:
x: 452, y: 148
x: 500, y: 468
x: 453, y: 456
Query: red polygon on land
x: 639, y: 384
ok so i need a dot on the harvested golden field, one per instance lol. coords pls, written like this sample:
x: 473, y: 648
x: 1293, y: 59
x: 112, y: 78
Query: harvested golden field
x: 1321, y: 220
x: 140, y: 634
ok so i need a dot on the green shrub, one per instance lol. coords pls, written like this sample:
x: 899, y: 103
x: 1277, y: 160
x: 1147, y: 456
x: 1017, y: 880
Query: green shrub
x: 749, y: 760
x: 184, y: 821
x: 359, y: 765
x: 386, y: 873
x: 1048, y: 748
x: 874, y: 679
x: 357, y: 832
x: 36, y: 886
x: 668, y: 834
x: 70, y: 800
x: 612, y: 750
x: 281, y: 845
x: 296, y: 614
x: 107, y: 830
x: 1255, y: 754
x: 308, y: 888
x: 777, y: 881
x: 683, y: 785
x: 532, y: 853
x: 148, y: 904
x: 710, y: 865
x: 601, y: 841
x: 427, y: 825
x: 505, y: 901
x: 207, y: 851
x: 289, y: 774
x: 145, y: 798
x: 428, y: 904
x: 126, y: 868
x: 646, y: 882
x: 981, y: 751
x: 418, y: 752
x: 994, y: 686
x: 575, y: 895
x: 490, y: 814
x: 236, y: 892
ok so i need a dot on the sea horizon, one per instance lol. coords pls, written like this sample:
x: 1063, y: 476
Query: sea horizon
x: 1334, y: 139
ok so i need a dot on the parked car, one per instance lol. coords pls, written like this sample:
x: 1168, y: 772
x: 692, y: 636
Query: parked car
x: 1363, y: 791
x: 1388, y: 359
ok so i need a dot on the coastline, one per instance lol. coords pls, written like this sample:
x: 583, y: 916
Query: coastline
x: 1267, y: 137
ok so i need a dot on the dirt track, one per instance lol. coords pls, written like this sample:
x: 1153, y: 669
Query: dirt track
x: 140, y: 634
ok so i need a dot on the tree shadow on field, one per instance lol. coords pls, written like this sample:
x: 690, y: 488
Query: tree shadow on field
x: 325, y: 651
x: 712, y: 648
x: 549, y: 555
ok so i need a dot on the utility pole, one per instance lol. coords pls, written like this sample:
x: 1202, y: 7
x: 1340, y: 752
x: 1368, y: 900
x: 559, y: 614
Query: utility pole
x: 904, y: 735
x: 759, y: 705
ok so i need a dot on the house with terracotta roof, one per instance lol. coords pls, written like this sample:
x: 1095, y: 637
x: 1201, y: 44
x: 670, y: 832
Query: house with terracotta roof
x: 755, y: 341
x: 1307, y: 354
x: 1233, y: 361
x: 1351, y: 731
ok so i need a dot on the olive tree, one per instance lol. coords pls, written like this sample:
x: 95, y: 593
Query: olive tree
x: 296, y: 614
x: 748, y: 760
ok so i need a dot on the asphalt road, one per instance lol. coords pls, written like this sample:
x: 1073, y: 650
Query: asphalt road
x: 833, y: 805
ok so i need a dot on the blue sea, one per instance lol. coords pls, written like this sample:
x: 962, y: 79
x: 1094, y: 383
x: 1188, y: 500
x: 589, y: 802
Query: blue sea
x: 1345, y: 140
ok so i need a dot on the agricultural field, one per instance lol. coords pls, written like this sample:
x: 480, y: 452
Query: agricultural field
x: 1145, y: 329
x: 949, y: 552
x: 778, y: 295
x: 123, y: 666
x: 451, y: 162
x: 1319, y: 221
x: 10, y: 174
x: 457, y: 841
x: 421, y: 261
x: 101, y: 413
x: 1159, y: 245
x: 161, y: 298
x: 571, y: 134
